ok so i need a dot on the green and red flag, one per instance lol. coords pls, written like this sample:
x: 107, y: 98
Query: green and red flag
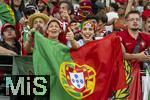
x: 93, y: 71
x: 7, y: 14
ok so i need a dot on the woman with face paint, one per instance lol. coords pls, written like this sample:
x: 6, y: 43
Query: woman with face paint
x: 87, y: 33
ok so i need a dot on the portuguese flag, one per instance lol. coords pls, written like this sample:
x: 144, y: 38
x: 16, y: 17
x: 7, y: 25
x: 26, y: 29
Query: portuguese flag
x: 92, y: 72
x: 6, y: 14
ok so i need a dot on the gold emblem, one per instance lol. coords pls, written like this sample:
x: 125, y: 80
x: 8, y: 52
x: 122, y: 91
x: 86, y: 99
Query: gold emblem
x: 78, y: 81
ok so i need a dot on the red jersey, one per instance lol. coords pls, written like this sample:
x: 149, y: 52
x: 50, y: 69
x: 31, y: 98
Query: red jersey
x: 129, y: 42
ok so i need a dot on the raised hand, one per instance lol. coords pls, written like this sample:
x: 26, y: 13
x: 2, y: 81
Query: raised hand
x: 65, y: 16
x: 30, y: 35
x: 70, y: 34
x: 23, y: 21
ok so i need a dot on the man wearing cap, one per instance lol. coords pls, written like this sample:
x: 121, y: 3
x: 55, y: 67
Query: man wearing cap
x: 37, y: 22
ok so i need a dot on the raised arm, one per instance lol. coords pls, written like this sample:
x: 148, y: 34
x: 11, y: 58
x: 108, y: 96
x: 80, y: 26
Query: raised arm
x: 129, y: 6
x: 29, y: 42
x: 70, y: 38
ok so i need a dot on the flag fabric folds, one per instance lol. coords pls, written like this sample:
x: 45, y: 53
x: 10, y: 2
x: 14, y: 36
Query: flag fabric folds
x: 94, y: 71
x: 22, y: 65
x: 146, y: 95
x: 7, y: 14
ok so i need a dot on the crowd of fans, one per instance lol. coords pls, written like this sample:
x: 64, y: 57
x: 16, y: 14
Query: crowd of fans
x: 77, y: 22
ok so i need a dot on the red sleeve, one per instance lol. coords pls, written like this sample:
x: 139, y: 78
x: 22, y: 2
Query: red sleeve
x: 18, y: 30
x: 62, y: 38
x: 146, y: 38
x: 120, y: 35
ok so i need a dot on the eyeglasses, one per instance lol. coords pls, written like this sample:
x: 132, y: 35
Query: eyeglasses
x: 134, y: 19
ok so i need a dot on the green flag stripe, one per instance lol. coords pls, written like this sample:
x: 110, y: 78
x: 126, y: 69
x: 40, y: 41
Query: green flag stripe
x: 48, y: 62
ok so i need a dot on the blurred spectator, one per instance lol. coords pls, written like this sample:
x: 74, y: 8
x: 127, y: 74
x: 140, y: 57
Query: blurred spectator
x: 95, y: 6
x: 18, y: 7
x: 119, y: 24
x: 112, y: 11
x: 85, y: 9
x: 100, y: 8
x: 147, y: 6
x: 145, y: 17
x: 101, y: 29
x: 112, y: 16
x: 146, y: 25
x: 37, y: 22
x: 55, y: 8
x: 29, y: 10
x: 76, y: 28
x: 65, y: 10
x: 9, y: 45
x: 76, y: 8
x: 43, y: 6
x: 140, y: 6
x: 145, y: 3
x: 24, y: 27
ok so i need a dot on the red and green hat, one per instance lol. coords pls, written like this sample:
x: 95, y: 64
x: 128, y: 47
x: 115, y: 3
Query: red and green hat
x: 85, y: 8
x: 5, y: 26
